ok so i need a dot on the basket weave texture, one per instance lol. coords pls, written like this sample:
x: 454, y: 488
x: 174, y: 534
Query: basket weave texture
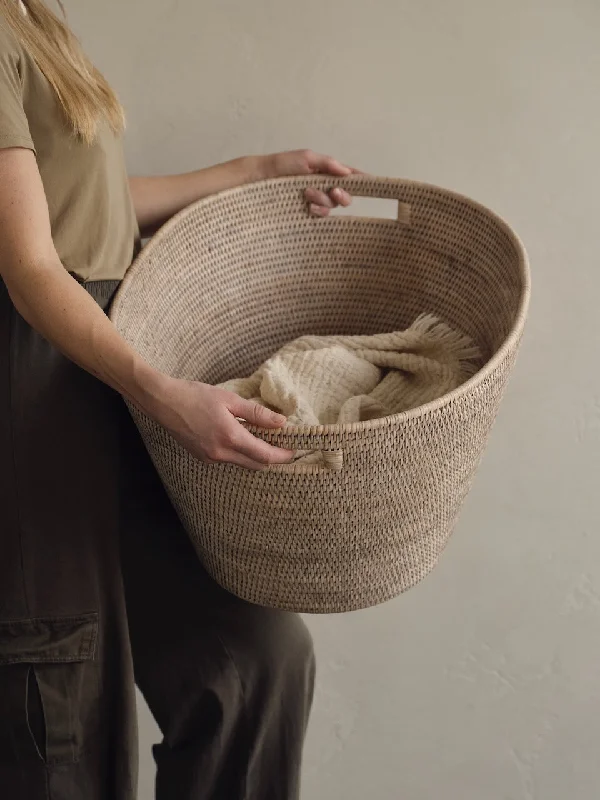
x: 233, y: 278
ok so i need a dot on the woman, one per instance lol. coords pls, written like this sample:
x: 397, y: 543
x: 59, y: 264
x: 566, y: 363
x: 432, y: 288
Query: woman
x: 98, y: 582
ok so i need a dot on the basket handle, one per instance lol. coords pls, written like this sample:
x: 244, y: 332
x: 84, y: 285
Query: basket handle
x: 309, y: 440
x: 331, y: 461
x: 368, y: 186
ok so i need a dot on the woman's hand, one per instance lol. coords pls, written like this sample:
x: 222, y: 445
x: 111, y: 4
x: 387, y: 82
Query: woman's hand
x: 305, y: 162
x: 157, y: 199
x: 204, y: 420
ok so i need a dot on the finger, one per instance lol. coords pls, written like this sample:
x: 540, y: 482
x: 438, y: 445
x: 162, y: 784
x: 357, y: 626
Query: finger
x: 254, y: 413
x: 318, y: 211
x: 340, y: 197
x: 246, y: 463
x: 245, y: 444
x: 333, y: 167
x: 327, y: 165
x: 319, y: 198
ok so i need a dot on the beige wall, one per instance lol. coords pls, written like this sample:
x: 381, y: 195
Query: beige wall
x: 483, y: 683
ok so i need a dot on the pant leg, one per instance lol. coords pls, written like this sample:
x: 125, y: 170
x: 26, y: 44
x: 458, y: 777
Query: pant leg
x: 230, y: 684
x: 67, y: 715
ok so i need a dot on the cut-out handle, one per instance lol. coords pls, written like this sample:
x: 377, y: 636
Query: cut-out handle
x: 367, y: 207
x: 379, y: 198
x: 331, y: 461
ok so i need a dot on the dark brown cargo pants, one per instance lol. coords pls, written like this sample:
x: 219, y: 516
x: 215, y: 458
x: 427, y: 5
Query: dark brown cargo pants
x: 99, y: 583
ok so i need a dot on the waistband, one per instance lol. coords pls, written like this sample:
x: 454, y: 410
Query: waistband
x: 103, y: 292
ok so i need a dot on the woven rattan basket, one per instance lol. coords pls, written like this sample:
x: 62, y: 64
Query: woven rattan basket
x: 236, y: 276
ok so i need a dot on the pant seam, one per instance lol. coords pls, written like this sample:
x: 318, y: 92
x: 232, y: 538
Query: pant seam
x: 244, y: 704
x: 47, y: 782
x: 14, y: 460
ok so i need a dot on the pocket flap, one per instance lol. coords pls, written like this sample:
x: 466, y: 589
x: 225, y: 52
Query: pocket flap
x: 47, y: 640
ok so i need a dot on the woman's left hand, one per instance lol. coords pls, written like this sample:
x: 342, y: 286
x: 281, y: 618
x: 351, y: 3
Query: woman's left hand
x: 305, y: 162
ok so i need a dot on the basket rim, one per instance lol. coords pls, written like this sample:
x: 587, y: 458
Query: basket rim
x: 510, y: 343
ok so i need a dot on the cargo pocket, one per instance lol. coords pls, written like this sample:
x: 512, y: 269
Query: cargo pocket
x: 49, y: 689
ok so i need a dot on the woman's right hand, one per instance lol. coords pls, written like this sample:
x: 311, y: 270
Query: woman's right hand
x: 204, y: 420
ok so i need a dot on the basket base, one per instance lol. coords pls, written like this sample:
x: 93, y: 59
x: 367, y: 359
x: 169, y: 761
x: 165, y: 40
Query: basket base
x: 301, y: 601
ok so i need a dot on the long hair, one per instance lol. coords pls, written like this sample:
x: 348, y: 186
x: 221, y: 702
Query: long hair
x: 83, y: 92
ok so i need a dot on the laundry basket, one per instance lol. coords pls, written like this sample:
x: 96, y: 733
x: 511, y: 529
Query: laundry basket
x: 233, y: 278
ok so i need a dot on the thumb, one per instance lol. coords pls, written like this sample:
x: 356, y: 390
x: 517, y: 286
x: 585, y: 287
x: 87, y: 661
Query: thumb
x: 256, y: 414
x: 325, y: 165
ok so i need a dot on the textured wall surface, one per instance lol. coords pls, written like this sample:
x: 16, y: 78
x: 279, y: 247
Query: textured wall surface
x: 484, y: 681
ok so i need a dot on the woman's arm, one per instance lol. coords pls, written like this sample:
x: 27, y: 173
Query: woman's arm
x: 157, y: 199
x: 200, y: 417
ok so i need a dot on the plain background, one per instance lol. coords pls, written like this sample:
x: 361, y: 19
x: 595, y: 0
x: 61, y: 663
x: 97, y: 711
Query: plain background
x: 484, y: 682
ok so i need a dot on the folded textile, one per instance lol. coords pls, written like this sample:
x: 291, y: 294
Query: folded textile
x: 324, y: 380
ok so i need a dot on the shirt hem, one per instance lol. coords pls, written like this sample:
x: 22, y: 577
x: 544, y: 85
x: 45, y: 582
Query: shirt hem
x: 7, y: 141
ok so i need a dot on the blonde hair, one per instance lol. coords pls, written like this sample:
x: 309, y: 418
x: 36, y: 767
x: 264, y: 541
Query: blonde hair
x: 83, y: 92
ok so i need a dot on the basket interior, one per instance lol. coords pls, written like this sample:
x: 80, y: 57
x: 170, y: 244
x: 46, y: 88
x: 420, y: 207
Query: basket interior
x: 236, y: 277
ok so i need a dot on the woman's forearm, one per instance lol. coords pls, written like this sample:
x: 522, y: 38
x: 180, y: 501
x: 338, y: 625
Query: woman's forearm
x: 157, y: 199
x: 202, y: 418
x: 55, y: 305
x: 44, y: 293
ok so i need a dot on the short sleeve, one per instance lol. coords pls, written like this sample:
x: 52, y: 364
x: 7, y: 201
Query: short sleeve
x: 14, y: 128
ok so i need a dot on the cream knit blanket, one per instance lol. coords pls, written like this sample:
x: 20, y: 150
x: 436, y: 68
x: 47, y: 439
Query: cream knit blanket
x: 323, y: 380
